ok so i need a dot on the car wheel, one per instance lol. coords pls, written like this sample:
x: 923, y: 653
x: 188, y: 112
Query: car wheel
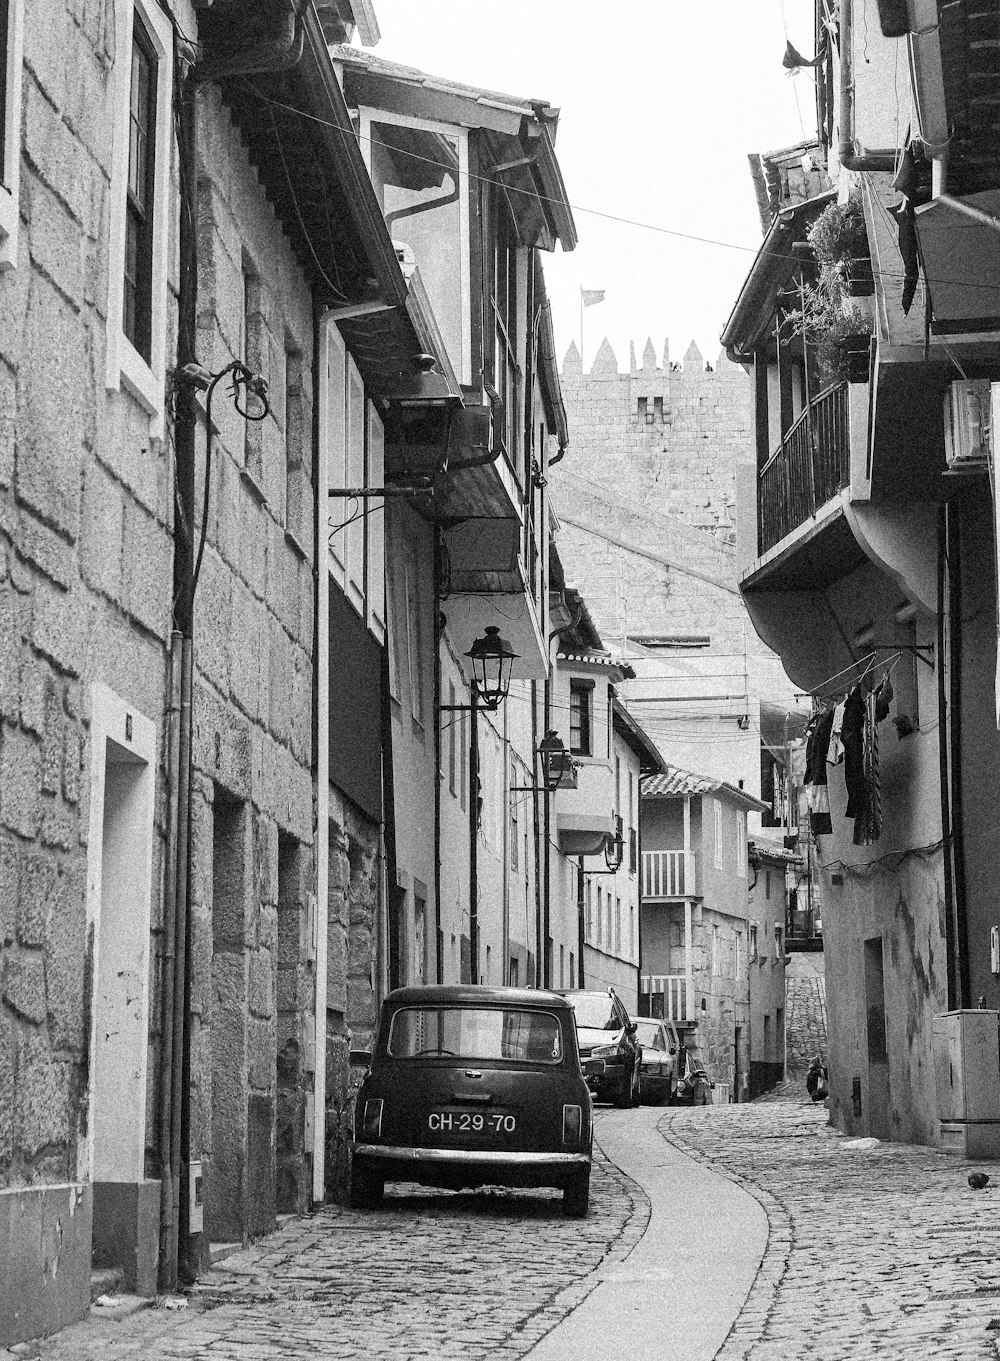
x: 367, y: 1188
x: 576, y: 1195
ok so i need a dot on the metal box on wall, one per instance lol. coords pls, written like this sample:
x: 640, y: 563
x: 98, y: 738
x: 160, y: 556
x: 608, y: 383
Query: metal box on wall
x: 967, y: 1068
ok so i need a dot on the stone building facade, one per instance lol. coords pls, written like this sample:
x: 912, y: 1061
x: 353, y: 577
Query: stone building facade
x: 647, y: 514
x: 168, y: 910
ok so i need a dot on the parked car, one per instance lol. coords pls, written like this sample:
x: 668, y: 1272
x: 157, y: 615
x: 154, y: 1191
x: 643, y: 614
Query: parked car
x: 606, y: 1032
x: 660, y: 1068
x: 473, y: 1086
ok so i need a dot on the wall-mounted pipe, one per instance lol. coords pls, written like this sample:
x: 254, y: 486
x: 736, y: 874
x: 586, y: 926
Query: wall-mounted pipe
x: 850, y: 158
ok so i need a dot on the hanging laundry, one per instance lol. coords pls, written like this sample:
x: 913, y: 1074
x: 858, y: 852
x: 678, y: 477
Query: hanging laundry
x: 852, y: 735
x: 817, y: 793
x: 864, y: 710
x: 835, y: 754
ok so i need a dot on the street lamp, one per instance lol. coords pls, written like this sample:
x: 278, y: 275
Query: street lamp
x: 492, y: 659
x: 614, y: 849
x: 557, y: 764
x: 558, y: 770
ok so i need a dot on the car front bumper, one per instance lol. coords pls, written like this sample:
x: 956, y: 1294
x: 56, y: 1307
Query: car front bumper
x: 472, y: 1157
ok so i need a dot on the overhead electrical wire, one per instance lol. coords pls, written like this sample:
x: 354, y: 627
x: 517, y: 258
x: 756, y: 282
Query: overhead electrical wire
x: 885, y: 276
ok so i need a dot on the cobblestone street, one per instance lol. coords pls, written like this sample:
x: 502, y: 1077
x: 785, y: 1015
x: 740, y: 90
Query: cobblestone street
x: 883, y: 1253
x: 430, y: 1275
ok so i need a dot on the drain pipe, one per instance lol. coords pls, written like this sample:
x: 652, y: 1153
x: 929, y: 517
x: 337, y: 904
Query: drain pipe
x: 849, y: 157
x: 174, y: 1095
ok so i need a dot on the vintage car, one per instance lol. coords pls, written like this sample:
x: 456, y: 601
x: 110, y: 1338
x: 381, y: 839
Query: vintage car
x: 472, y: 1086
x: 606, y: 1032
x: 660, y: 1069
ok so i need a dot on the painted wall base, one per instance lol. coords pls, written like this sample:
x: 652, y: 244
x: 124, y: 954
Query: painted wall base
x: 45, y: 1235
x: 127, y: 1231
x: 971, y: 1138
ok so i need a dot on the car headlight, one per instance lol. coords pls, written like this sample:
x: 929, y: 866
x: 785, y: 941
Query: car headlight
x: 605, y: 1051
x: 371, y: 1119
x: 572, y: 1124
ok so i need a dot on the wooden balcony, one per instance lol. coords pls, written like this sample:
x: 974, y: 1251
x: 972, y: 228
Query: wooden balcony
x: 812, y: 464
x: 668, y: 874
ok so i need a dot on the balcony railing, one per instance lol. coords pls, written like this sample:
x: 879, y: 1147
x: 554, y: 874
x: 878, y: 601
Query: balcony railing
x: 667, y: 874
x: 812, y: 464
x: 669, y: 996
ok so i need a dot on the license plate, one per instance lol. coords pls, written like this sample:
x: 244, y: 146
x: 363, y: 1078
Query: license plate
x: 468, y: 1122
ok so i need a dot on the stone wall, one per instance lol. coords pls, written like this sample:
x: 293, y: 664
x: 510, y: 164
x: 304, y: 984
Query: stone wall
x: 253, y: 1023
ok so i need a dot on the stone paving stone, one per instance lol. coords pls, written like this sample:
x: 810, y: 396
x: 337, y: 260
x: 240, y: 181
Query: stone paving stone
x: 430, y: 1274
x: 886, y: 1254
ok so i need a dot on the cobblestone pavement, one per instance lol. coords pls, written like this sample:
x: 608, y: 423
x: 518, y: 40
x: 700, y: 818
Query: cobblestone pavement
x: 429, y: 1275
x: 886, y: 1253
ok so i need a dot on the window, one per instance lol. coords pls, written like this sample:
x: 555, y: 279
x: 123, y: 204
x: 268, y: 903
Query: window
x: 631, y: 931
x: 752, y: 931
x: 452, y: 747
x: 588, y: 911
x: 419, y: 171
x: 741, y: 844
x: 580, y: 693
x: 717, y: 817
x: 463, y: 758
x: 514, y: 800
x: 503, y: 338
x: 297, y: 500
x: 618, y: 926
x: 562, y: 966
x: 600, y: 914
x: 572, y: 970
x: 633, y: 836
x: 515, y: 973
x: 11, y: 61
x: 140, y: 166
x: 138, y: 290
x: 779, y: 941
x: 767, y: 884
x: 413, y: 648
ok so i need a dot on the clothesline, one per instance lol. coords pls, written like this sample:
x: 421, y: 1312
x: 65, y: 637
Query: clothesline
x: 869, y: 663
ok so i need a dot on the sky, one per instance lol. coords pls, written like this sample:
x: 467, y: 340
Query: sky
x: 661, y: 102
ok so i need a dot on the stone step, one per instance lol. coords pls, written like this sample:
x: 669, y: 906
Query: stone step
x: 106, y: 1280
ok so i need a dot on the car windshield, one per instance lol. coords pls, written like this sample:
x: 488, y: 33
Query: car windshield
x: 650, y: 1034
x: 475, y: 1033
x: 594, y: 1011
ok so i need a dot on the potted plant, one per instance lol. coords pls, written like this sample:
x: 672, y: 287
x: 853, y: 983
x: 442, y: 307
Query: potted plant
x: 839, y: 241
x: 838, y: 329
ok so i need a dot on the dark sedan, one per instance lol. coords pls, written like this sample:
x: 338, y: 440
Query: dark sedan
x: 473, y: 1086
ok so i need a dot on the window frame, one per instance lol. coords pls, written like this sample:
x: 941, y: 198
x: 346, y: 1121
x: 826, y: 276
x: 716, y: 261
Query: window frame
x: 126, y: 367
x: 581, y: 701
x: 368, y: 115
x: 12, y: 58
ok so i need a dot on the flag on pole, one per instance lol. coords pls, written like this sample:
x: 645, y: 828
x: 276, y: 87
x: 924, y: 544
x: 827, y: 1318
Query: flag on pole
x: 588, y: 296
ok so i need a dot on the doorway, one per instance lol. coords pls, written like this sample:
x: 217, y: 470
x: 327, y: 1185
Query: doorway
x: 119, y: 881
x: 879, y: 1097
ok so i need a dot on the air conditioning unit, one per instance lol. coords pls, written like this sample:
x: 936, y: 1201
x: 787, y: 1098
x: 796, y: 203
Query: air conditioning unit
x: 967, y: 427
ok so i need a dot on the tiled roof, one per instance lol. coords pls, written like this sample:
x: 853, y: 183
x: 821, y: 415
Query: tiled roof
x: 397, y: 71
x: 677, y: 783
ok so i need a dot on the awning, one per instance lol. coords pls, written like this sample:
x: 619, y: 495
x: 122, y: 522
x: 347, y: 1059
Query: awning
x: 961, y: 257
